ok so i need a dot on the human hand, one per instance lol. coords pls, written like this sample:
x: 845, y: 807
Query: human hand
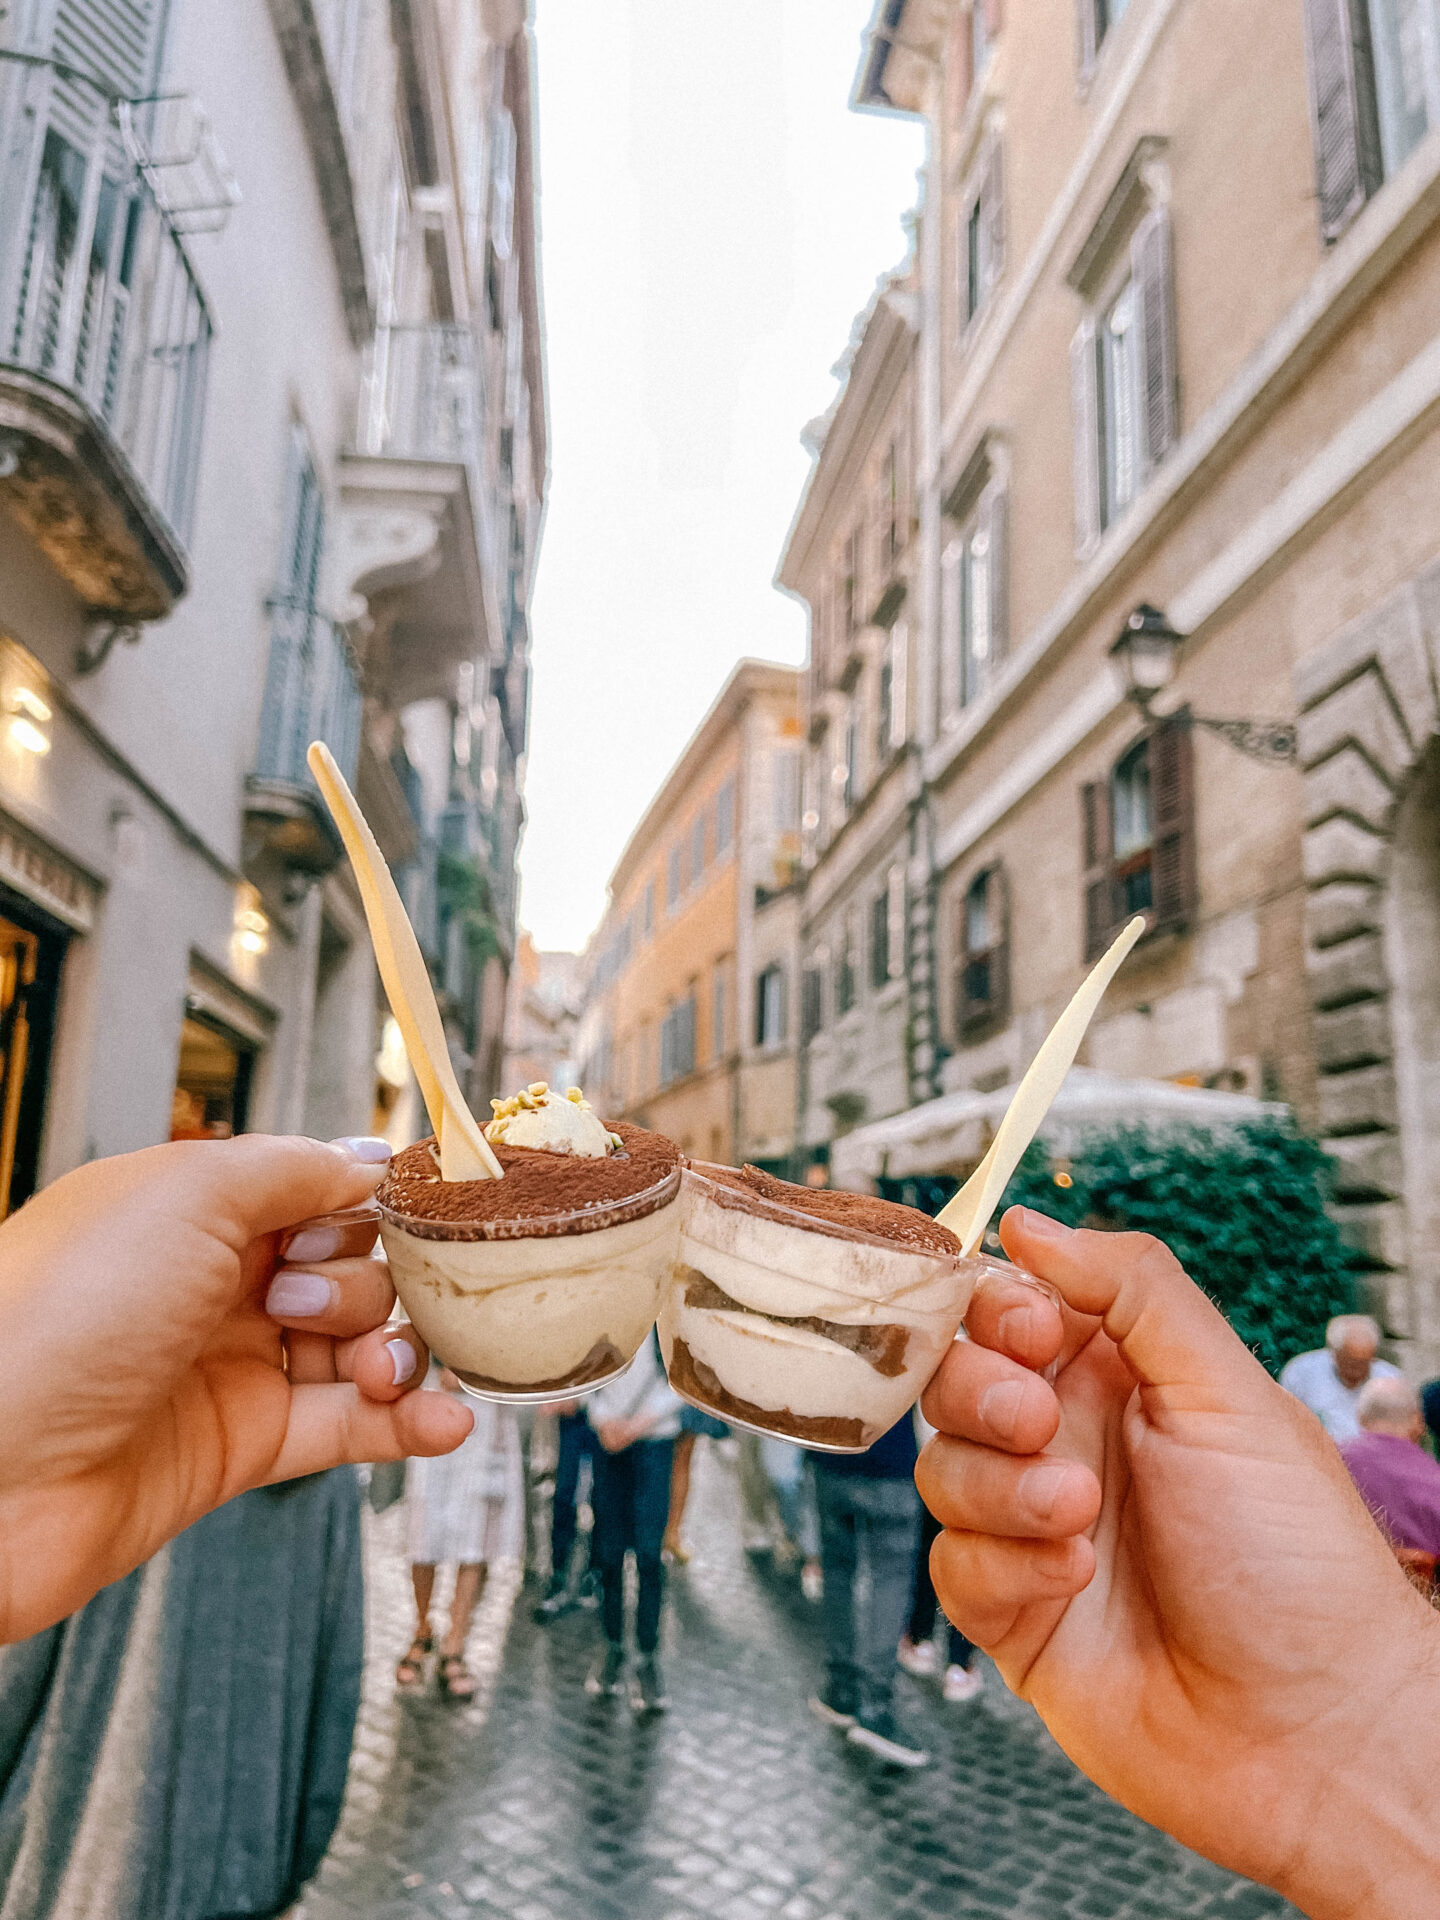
x: 1184, y: 1582
x: 146, y: 1383
x: 615, y: 1435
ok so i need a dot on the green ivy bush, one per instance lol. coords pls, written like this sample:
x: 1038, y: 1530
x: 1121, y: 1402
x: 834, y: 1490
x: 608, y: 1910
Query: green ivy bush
x: 1244, y: 1212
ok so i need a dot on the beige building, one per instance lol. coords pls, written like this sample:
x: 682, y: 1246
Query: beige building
x: 272, y: 461
x: 1177, y: 275
x: 690, y: 1003
x: 542, y: 1013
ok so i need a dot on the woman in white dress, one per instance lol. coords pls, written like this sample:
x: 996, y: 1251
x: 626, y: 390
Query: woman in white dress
x: 462, y: 1509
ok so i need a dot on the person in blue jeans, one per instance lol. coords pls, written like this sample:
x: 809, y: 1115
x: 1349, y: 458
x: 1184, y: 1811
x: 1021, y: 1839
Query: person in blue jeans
x: 577, y: 1445
x: 635, y: 1422
x: 870, y: 1519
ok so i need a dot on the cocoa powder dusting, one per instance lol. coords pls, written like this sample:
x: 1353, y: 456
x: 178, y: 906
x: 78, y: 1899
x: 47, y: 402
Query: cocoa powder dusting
x: 830, y: 1211
x: 537, y: 1184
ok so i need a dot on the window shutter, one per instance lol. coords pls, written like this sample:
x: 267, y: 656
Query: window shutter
x: 1000, y: 952
x: 1086, y: 40
x: 992, y: 203
x: 1172, y: 802
x: 1085, y: 407
x: 1152, y: 264
x: 999, y: 515
x: 1099, y: 884
x: 1348, y: 166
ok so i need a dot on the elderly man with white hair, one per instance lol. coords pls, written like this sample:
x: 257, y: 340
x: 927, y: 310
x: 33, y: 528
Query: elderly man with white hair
x: 1397, y: 1478
x: 1331, y: 1380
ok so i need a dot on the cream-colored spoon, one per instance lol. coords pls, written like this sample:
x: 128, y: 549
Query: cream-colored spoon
x: 465, y: 1153
x: 968, y: 1214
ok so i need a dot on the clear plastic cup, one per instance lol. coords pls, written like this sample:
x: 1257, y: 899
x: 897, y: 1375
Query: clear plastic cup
x: 788, y: 1325
x: 533, y: 1310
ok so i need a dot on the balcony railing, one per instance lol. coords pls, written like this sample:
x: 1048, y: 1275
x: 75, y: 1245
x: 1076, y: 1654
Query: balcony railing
x: 312, y: 692
x: 421, y: 397
x: 97, y: 294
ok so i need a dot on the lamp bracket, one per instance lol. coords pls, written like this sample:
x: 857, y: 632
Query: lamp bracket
x: 1272, y: 741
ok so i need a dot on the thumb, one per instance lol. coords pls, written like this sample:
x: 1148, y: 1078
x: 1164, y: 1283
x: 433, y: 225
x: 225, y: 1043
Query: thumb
x: 1171, y: 1335
x: 260, y: 1183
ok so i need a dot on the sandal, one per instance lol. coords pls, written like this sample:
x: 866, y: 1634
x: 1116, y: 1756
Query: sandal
x: 455, y: 1679
x: 410, y: 1673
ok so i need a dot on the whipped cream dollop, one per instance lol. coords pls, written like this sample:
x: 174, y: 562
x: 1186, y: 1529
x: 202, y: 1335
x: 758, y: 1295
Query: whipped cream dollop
x: 554, y: 1122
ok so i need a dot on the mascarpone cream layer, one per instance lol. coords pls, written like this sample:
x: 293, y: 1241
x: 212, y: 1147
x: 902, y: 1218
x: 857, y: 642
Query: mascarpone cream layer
x: 526, y: 1310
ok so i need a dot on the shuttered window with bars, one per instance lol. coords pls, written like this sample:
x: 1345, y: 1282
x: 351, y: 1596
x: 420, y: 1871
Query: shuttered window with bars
x: 982, y: 974
x: 1374, y: 94
x: 982, y: 233
x: 1139, y: 836
x: 1093, y: 21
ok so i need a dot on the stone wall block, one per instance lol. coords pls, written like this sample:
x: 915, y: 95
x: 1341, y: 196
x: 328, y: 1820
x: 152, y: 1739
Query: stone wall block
x: 1347, y: 783
x: 1357, y: 1035
x: 1375, y: 1230
x: 1342, y: 849
x: 1368, y: 1166
x: 1341, y: 910
x: 1354, y: 970
x: 1359, y: 712
x: 1405, y: 660
x: 1359, y: 1102
x: 1333, y: 662
x: 1427, y: 607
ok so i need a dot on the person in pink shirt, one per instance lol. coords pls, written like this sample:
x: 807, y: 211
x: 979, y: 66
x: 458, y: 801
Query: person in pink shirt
x: 1397, y: 1478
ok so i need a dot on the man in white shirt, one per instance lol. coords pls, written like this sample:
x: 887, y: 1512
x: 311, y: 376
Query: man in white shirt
x: 1329, y: 1380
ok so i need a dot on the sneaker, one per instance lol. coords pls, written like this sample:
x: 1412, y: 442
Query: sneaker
x: 884, y: 1739
x: 812, y: 1582
x: 834, y: 1712
x: 588, y: 1598
x: 647, y: 1689
x: 607, y: 1673
x: 961, y: 1683
x: 921, y: 1660
x: 556, y: 1602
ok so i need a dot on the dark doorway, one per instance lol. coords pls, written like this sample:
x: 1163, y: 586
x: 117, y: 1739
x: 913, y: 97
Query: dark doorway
x: 32, y: 951
x: 212, y: 1085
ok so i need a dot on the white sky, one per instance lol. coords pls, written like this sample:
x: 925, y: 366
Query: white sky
x: 713, y: 218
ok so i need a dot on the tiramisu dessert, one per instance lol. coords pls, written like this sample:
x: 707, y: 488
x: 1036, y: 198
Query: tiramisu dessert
x: 542, y: 1284
x: 816, y: 1315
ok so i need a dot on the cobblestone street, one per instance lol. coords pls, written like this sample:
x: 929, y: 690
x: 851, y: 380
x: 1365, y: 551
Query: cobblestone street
x: 538, y: 1803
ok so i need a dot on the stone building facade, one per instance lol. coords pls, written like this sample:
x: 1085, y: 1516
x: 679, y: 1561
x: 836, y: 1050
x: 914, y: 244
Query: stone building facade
x: 1175, y: 275
x: 690, y: 989
x: 272, y: 463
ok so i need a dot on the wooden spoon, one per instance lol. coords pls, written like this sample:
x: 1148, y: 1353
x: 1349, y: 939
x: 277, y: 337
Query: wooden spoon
x: 465, y: 1153
x: 968, y: 1214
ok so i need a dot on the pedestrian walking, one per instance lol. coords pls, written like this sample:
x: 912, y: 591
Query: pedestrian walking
x: 870, y: 1526
x: 463, y: 1509
x: 695, y: 1425
x: 576, y: 1450
x: 917, y: 1653
x: 1397, y: 1478
x: 1329, y: 1380
x: 636, y: 1420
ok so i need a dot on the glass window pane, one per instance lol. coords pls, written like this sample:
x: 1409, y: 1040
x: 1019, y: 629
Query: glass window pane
x: 1131, y: 802
x: 977, y: 915
x: 1405, y: 37
x: 1120, y: 402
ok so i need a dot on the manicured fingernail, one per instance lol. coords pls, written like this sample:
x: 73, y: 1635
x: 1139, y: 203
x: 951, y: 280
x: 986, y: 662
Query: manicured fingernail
x: 313, y: 1243
x: 1000, y: 1406
x: 1017, y: 1328
x: 402, y: 1358
x: 299, y: 1296
x: 1042, y: 1225
x: 1041, y: 1487
x: 365, y: 1147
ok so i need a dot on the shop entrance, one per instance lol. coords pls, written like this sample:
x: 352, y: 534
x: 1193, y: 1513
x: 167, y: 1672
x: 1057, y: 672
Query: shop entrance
x: 31, y: 952
x: 212, y: 1086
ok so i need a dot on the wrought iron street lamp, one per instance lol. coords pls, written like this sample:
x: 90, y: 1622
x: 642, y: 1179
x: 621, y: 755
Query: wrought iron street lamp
x: 1148, y: 654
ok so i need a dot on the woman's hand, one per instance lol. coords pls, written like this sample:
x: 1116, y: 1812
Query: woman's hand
x: 144, y: 1380
x: 1165, y: 1554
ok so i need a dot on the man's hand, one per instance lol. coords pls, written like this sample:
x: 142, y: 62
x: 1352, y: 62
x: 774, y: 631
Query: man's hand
x: 145, y: 1382
x: 1165, y: 1554
x: 615, y: 1435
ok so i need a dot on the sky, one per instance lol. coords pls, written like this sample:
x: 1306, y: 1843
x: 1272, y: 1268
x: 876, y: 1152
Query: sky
x: 713, y: 217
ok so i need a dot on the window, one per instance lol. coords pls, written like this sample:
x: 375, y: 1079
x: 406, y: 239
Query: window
x: 648, y: 911
x: 674, y: 882
x: 677, y: 1041
x: 1096, y: 19
x: 785, y: 774
x: 770, y: 1007
x: 850, y: 585
x: 879, y: 940
x: 718, y: 1022
x: 849, y: 786
x: 898, y: 661
x: 1375, y: 92
x: 885, y: 710
x: 724, y: 819
x: 1139, y: 838
x: 697, y: 849
x: 892, y: 535
x: 982, y: 251
x: 1124, y: 382
x: 845, y: 971
x: 812, y: 991
x: 982, y: 976
x: 973, y: 601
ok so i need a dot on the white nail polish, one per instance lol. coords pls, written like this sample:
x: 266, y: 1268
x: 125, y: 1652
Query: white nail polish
x: 402, y: 1358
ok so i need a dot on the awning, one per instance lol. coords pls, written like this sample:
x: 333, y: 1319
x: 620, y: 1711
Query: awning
x: 951, y: 1134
